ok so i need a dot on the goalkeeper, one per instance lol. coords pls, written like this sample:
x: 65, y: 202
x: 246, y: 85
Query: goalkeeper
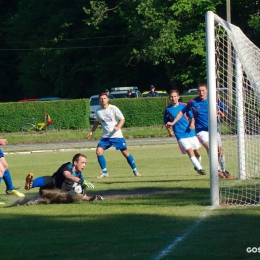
x: 64, y: 179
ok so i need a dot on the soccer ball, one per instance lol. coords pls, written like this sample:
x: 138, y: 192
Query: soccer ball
x: 77, y: 188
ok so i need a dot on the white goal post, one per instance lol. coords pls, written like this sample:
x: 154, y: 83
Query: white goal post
x: 233, y: 77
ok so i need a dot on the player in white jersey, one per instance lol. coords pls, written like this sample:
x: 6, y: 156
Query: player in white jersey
x: 112, y: 120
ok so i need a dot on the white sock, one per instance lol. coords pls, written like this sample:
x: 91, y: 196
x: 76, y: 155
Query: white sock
x: 222, y: 163
x: 196, y: 163
x: 199, y: 159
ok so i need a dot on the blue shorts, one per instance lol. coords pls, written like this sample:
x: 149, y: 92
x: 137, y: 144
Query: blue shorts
x: 1, y: 153
x: 118, y: 143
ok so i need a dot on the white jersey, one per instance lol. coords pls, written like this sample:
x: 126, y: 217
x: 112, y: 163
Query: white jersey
x: 109, y: 118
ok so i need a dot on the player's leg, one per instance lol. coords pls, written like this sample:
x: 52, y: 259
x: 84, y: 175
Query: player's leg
x: 195, y: 162
x: 10, y: 190
x: 187, y: 145
x: 2, y: 171
x: 120, y: 144
x: 102, y: 146
x: 197, y: 154
x: 2, y: 167
x: 131, y: 161
x: 203, y: 137
x: 40, y: 182
x: 222, y: 160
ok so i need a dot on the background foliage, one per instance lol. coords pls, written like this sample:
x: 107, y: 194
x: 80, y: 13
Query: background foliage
x: 74, y: 114
x: 69, y: 114
x: 77, y: 48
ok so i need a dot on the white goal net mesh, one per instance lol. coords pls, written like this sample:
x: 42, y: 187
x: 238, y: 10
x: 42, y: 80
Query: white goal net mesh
x: 237, y: 63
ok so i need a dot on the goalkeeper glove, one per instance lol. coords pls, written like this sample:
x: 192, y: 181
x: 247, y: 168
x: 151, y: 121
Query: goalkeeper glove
x: 87, y: 184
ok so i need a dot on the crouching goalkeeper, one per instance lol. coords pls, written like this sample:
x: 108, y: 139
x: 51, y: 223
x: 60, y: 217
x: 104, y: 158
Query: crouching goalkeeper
x: 66, y: 185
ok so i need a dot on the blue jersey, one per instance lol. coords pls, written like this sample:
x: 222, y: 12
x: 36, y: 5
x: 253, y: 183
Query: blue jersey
x: 182, y: 128
x: 200, y: 111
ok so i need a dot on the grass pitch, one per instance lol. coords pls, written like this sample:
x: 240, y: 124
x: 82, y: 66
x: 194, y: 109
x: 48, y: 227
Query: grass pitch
x: 164, y: 214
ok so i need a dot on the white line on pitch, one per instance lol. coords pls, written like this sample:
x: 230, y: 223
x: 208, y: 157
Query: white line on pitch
x: 170, y: 247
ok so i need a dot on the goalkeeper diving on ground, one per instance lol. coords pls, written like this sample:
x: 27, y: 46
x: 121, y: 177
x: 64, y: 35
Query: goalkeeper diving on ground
x: 66, y: 185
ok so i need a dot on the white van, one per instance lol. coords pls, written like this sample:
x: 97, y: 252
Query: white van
x: 94, y: 104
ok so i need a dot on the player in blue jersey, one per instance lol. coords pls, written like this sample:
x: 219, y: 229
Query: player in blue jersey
x: 186, y: 137
x: 199, y: 106
x: 6, y: 175
x: 64, y: 179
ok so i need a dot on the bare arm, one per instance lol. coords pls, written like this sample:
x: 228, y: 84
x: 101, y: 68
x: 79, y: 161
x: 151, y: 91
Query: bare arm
x: 177, y: 118
x: 94, y: 127
x: 192, y: 123
x: 70, y: 177
x: 3, y: 142
x: 170, y: 132
x: 119, y: 125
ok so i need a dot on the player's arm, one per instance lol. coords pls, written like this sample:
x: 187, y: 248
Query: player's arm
x: 192, y: 123
x: 170, y: 132
x: 70, y: 177
x: 94, y: 127
x: 120, y: 124
x: 222, y: 109
x: 192, y: 119
x: 3, y: 142
x: 177, y: 118
x: 166, y: 119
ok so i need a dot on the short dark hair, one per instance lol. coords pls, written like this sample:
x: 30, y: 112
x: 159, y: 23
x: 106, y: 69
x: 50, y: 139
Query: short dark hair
x: 107, y: 90
x: 76, y: 157
x: 103, y: 94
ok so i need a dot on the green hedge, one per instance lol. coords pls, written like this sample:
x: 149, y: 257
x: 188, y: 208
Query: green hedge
x: 69, y: 114
x: 74, y: 114
x: 142, y: 111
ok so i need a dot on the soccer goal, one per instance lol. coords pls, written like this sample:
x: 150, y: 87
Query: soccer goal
x: 233, y: 77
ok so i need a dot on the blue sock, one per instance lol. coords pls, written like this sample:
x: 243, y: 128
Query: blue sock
x: 1, y: 179
x: 38, y: 182
x: 131, y: 161
x: 8, y: 180
x: 102, y: 162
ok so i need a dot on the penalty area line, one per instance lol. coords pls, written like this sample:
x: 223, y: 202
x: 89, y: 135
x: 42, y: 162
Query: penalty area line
x: 171, y: 247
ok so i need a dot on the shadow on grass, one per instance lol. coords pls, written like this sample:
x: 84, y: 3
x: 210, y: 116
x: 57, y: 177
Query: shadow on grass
x: 78, y: 231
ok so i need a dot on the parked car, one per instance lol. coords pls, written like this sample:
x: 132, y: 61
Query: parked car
x: 43, y: 99
x: 121, y: 92
x: 161, y: 93
x: 28, y: 99
x: 192, y: 91
x: 94, y: 104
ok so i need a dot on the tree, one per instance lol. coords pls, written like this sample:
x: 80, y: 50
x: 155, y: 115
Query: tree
x: 168, y: 33
x: 8, y: 59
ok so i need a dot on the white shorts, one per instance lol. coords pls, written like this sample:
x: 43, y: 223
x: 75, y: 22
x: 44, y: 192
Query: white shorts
x: 203, y: 137
x: 187, y: 143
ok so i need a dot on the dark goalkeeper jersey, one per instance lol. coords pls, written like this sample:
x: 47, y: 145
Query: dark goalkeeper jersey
x: 60, y: 180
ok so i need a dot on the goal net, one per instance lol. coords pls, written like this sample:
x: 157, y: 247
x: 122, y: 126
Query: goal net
x: 233, y: 71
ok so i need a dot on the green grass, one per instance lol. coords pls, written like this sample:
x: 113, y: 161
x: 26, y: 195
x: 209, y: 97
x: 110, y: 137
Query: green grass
x: 79, y: 135
x: 169, y: 202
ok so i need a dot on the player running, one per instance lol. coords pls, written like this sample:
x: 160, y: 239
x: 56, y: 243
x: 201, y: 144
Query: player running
x: 186, y: 137
x: 199, y: 105
x: 112, y: 120
x: 6, y: 175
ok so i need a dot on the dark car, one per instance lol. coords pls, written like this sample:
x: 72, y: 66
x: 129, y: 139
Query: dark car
x: 121, y: 92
